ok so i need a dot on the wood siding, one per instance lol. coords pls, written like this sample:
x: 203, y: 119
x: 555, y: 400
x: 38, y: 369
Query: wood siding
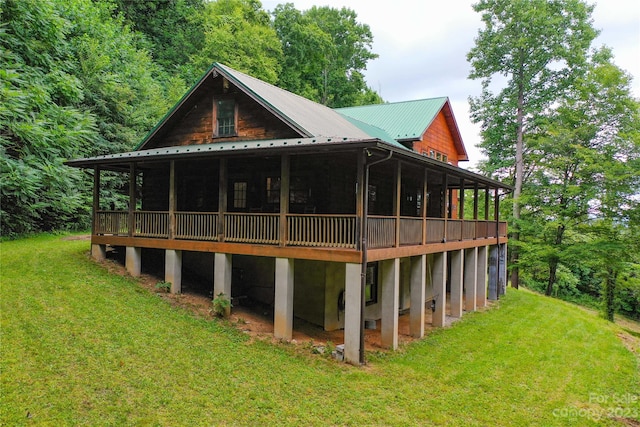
x: 438, y: 137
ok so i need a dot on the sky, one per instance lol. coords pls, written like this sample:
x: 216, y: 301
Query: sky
x: 423, y: 44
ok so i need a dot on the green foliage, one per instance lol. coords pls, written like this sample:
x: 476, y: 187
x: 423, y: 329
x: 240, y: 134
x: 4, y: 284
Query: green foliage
x: 221, y: 305
x: 238, y: 33
x: 325, y: 53
x: 163, y: 286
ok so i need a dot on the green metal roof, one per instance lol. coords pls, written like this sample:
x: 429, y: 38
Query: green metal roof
x: 402, y: 120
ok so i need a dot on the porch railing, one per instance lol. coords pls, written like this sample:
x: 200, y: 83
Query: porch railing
x: 197, y: 225
x: 112, y: 222
x: 329, y: 231
x: 252, y: 228
x: 151, y: 224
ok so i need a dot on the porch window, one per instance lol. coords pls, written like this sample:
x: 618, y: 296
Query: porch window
x: 225, y: 117
x: 371, y: 284
x: 240, y: 195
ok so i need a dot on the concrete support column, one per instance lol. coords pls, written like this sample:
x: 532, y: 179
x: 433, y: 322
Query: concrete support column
x: 222, y: 274
x: 493, y: 272
x: 470, y: 278
x: 457, y: 258
x: 390, y: 302
x: 353, y: 308
x: 481, y: 281
x: 439, y: 283
x: 283, y: 304
x: 133, y: 261
x: 173, y: 270
x: 502, y: 269
x: 416, y: 311
x: 99, y: 252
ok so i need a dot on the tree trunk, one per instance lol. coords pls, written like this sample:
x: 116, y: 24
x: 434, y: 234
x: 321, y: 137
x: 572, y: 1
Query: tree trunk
x: 609, y: 294
x: 515, y: 271
x: 553, y: 268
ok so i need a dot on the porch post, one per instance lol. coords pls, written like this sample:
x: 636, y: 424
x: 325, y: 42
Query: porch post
x: 493, y: 272
x: 222, y: 198
x: 423, y: 213
x: 418, y: 280
x: 390, y: 302
x: 439, y: 283
x: 98, y: 252
x: 172, y: 199
x: 133, y: 261
x: 397, y: 195
x: 132, y: 199
x: 284, y: 196
x: 352, y: 312
x: 481, y: 284
x: 221, y: 274
x: 470, y: 278
x: 461, y: 198
x: 486, y: 204
x: 173, y: 269
x: 475, y: 201
x: 456, y: 282
x: 283, y: 304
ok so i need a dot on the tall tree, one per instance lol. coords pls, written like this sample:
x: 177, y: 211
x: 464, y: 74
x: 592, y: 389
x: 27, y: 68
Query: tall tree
x: 533, y: 46
x: 326, y: 51
x: 239, y: 34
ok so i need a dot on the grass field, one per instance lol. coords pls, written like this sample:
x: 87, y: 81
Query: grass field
x: 80, y: 346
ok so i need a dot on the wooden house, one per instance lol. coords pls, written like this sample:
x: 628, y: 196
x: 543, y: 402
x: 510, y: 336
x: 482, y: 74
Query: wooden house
x: 333, y: 216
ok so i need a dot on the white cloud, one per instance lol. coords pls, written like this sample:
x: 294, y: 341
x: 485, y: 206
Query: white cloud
x: 422, y: 47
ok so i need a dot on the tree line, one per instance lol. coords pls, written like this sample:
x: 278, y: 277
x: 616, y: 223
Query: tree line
x: 82, y: 78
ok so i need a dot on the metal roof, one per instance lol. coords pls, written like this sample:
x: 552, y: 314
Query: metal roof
x: 401, y: 120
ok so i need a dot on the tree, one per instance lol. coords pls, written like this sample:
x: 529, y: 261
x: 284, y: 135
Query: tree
x: 239, y: 34
x: 534, y: 45
x: 325, y: 53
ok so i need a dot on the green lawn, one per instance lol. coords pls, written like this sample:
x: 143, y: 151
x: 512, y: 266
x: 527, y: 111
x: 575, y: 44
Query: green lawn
x: 83, y: 347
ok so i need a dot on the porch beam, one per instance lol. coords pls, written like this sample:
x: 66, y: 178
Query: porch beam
x: 352, y: 329
x: 173, y: 270
x: 481, y: 281
x: 456, y: 282
x: 418, y: 282
x: 390, y: 302
x: 439, y: 281
x: 283, y: 303
x: 470, y: 278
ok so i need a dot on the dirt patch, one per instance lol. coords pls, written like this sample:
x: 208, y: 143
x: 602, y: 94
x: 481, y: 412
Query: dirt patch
x: 80, y: 237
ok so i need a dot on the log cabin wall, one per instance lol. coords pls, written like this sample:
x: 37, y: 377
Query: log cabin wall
x: 197, y: 127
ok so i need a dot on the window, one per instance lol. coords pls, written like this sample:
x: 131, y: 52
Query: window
x: 225, y: 117
x: 240, y: 195
x: 371, y: 284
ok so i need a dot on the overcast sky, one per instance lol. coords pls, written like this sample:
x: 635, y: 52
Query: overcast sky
x: 422, y: 47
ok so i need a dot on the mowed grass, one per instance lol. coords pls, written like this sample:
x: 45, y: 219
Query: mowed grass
x: 81, y: 346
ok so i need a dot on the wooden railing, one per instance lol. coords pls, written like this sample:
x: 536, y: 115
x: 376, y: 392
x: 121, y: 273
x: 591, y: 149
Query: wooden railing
x: 435, y: 230
x: 112, y: 222
x: 381, y: 232
x: 329, y: 231
x: 151, y: 224
x: 410, y: 231
x: 197, y: 225
x: 252, y: 228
